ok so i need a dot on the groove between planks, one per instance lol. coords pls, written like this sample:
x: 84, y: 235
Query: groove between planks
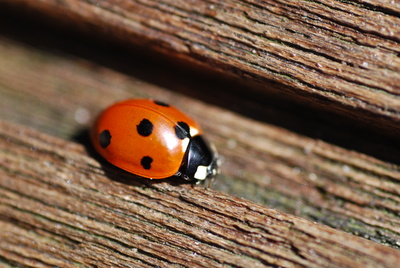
x: 342, y: 52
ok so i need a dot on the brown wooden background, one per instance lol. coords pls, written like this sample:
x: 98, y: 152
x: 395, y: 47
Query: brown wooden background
x: 301, y: 99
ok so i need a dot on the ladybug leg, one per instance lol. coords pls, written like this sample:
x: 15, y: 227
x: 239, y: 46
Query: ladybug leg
x: 149, y: 182
x: 210, y: 181
x: 183, y: 176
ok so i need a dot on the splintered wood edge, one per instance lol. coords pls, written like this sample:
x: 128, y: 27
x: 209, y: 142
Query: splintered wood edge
x: 340, y: 54
x: 59, y: 206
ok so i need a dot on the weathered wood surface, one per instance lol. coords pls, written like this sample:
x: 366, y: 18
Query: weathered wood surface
x: 318, y: 180
x: 60, y: 207
x: 339, y: 55
x: 320, y: 169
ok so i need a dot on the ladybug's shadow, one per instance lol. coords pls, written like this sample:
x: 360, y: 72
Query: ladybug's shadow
x: 116, y: 174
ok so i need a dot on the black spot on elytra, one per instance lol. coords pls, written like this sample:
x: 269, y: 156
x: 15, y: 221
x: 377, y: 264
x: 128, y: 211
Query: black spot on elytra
x: 145, y: 128
x: 161, y: 103
x: 182, y: 130
x: 105, y: 138
x: 146, y: 162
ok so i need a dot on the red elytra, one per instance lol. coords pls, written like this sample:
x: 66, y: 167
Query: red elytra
x: 153, y: 140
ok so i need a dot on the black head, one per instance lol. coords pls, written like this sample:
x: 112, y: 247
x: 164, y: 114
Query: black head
x: 200, y: 161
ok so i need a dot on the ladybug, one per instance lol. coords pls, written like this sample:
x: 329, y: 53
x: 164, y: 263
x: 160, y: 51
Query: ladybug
x: 153, y: 140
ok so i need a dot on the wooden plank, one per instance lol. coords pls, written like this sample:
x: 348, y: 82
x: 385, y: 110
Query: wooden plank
x: 60, y: 94
x: 264, y: 163
x: 301, y: 173
x: 340, y: 56
x: 61, y: 207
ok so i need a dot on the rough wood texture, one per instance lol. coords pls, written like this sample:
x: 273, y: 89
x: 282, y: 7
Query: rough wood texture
x: 270, y: 165
x: 341, y: 55
x: 303, y: 162
x: 60, y: 207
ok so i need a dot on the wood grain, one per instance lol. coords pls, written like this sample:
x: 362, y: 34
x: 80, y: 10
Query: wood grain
x: 61, y: 207
x: 60, y: 94
x: 340, y: 56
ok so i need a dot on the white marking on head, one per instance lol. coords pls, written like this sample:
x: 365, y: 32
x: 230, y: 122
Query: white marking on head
x: 193, y: 131
x: 201, y: 173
